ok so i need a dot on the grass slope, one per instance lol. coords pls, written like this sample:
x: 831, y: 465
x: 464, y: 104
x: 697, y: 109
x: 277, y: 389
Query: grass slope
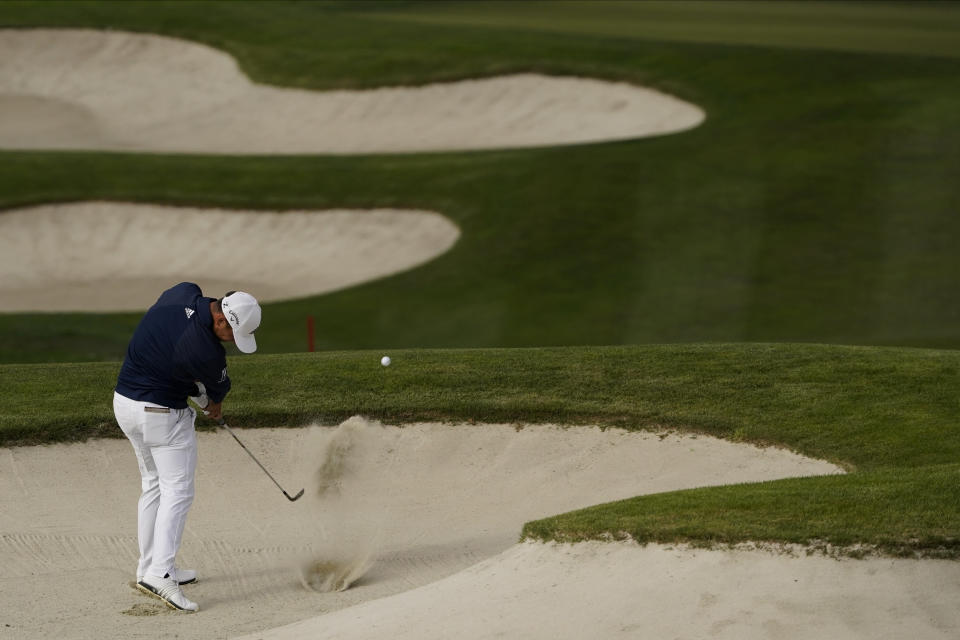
x: 888, y: 415
x: 914, y: 513
x: 816, y: 204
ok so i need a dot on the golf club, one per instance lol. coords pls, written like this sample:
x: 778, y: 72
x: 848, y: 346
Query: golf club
x: 223, y: 423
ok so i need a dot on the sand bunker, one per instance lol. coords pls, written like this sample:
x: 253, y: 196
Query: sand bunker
x: 101, y: 256
x: 623, y: 591
x: 85, y: 89
x: 424, y: 503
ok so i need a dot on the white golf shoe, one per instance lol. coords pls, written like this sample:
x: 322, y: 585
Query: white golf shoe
x: 183, y: 576
x: 168, y: 590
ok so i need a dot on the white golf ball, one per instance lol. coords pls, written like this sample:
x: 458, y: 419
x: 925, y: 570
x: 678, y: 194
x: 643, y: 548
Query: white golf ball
x: 385, y: 361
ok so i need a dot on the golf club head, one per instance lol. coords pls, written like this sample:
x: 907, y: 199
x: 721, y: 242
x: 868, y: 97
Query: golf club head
x: 223, y: 423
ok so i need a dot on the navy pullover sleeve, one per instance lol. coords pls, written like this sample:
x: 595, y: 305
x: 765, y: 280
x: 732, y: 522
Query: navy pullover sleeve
x: 212, y: 372
x: 172, y: 348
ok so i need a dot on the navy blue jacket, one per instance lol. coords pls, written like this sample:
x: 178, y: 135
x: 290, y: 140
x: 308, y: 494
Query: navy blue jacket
x: 173, y: 347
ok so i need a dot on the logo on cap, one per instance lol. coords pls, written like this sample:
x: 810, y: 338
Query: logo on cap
x: 243, y: 314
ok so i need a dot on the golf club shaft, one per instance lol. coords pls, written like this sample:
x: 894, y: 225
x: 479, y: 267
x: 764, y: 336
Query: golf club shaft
x: 223, y: 423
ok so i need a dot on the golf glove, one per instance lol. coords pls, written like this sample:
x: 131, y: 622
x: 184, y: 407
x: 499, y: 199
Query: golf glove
x: 201, y: 399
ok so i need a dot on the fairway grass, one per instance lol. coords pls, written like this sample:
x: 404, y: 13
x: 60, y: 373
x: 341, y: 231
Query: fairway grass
x: 886, y: 415
x: 816, y: 203
x: 911, y: 28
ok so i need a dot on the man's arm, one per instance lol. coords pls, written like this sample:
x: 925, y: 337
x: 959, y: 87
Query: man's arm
x: 202, y: 400
x: 216, y: 383
x: 214, y: 410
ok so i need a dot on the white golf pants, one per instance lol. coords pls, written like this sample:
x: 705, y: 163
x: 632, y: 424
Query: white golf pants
x: 165, y: 442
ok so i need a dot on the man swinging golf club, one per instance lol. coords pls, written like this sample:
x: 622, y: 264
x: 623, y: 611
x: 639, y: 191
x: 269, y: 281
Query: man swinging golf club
x: 175, y: 353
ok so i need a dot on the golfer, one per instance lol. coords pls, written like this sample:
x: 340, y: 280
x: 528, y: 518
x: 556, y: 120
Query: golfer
x: 175, y: 353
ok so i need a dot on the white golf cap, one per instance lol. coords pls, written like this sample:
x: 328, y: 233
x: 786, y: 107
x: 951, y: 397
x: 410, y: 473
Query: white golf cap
x: 243, y: 313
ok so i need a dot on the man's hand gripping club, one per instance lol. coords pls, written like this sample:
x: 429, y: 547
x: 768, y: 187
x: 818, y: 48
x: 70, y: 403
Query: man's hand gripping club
x: 212, y: 409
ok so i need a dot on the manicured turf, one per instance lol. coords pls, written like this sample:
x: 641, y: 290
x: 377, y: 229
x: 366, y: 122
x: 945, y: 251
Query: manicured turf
x: 816, y: 204
x: 914, y: 28
x: 913, y: 513
x: 887, y: 415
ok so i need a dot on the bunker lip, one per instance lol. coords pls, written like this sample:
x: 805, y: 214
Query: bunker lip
x: 429, y: 503
x: 89, y: 89
x: 109, y: 256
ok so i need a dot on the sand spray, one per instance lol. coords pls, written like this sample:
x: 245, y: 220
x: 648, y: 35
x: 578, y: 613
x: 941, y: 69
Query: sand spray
x: 344, y: 545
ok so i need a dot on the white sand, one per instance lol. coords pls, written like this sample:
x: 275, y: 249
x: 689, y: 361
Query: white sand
x: 425, y: 503
x: 621, y: 590
x: 85, y: 89
x: 101, y: 256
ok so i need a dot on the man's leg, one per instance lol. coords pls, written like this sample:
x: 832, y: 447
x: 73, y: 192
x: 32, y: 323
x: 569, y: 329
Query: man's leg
x: 147, y: 508
x: 173, y: 447
x: 130, y: 417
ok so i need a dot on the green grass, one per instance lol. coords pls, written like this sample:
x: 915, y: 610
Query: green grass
x: 817, y: 203
x: 892, y: 512
x: 887, y: 415
x: 912, y: 28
